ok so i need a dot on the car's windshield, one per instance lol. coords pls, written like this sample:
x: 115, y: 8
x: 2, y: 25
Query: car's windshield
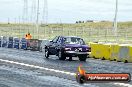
x: 73, y: 40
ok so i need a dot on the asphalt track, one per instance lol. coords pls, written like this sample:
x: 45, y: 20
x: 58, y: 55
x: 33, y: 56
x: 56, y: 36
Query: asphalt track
x: 21, y: 68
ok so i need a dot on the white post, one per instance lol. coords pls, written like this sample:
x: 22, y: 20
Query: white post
x: 37, y: 21
x: 115, y: 20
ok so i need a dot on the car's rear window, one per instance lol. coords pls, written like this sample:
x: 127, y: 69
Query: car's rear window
x: 73, y: 40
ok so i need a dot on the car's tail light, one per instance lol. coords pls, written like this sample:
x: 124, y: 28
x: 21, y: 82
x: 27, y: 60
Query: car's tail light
x: 88, y: 49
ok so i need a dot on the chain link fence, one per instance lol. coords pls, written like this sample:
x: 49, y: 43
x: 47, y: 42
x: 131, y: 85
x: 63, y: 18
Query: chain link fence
x: 88, y: 34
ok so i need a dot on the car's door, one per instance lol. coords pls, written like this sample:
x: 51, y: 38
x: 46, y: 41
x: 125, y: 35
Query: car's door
x: 60, y: 42
x: 53, y: 44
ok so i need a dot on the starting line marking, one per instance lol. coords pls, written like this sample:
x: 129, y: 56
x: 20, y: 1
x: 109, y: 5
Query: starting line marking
x: 57, y: 71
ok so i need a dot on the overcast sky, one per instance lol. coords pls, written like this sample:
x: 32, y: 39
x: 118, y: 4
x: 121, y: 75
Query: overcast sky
x: 68, y: 11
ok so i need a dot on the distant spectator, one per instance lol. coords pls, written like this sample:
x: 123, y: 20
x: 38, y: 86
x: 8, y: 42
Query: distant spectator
x: 28, y: 36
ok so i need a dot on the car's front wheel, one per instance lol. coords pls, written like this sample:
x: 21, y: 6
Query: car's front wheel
x: 46, y: 53
x: 61, y: 55
x: 82, y: 57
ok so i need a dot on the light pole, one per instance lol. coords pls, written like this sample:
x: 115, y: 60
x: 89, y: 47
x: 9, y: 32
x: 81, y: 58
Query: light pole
x: 37, y: 20
x: 115, y: 20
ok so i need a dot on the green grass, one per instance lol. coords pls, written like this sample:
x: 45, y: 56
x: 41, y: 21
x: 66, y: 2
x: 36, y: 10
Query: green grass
x: 92, y: 25
x: 100, y: 31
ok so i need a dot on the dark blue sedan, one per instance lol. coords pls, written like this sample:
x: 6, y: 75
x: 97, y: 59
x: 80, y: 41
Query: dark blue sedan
x: 67, y: 46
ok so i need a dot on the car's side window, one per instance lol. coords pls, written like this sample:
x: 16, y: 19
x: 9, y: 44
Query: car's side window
x: 55, y: 39
x: 63, y: 40
x: 59, y: 40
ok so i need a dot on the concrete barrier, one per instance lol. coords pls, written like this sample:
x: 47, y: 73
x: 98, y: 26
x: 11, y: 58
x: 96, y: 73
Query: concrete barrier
x: 125, y: 53
x: 106, y: 51
x: 114, y: 52
x: 129, y: 59
x: 96, y: 50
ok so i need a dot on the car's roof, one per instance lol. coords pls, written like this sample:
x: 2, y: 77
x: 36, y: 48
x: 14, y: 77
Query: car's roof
x: 71, y: 36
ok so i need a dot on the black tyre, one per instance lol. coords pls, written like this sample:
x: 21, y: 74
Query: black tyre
x: 125, y: 61
x: 70, y: 58
x: 82, y: 57
x: 81, y: 79
x: 46, y: 53
x: 61, y: 55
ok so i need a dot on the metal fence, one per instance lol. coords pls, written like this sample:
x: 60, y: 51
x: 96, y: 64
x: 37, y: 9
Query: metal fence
x: 88, y: 34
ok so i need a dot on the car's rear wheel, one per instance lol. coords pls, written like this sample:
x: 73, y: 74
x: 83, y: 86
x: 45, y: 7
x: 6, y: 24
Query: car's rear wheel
x: 61, y: 55
x: 46, y: 53
x: 82, y: 57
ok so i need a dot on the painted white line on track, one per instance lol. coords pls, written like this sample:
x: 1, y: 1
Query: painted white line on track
x: 57, y: 71
x: 39, y: 67
x: 123, y: 84
x: 47, y: 69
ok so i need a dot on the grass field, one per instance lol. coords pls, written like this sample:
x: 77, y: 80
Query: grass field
x: 100, y: 31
